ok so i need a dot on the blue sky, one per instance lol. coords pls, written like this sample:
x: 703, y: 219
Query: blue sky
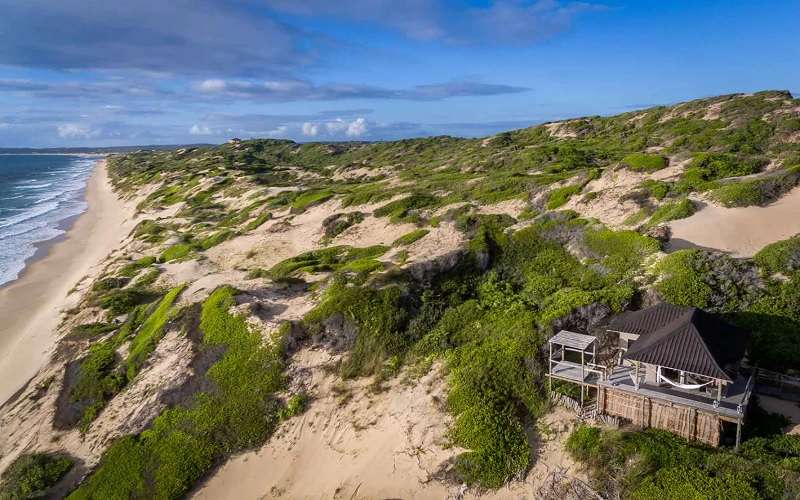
x: 94, y: 72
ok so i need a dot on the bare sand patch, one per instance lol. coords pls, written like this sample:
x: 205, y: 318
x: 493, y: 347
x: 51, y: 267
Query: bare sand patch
x: 742, y: 232
x: 789, y: 409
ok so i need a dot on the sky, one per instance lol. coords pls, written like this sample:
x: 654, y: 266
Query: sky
x: 105, y: 73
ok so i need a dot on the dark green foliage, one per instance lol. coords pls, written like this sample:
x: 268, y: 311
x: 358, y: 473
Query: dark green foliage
x: 758, y: 192
x: 91, y: 330
x: 410, y: 238
x: 641, y: 162
x: 107, y: 284
x: 130, y: 270
x: 336, y: 224
x: 150, y: 231
x: 708, y: 280
x: 32, y: 475
x: 338, y: 258
x: 708, y: 167
x: 183, y: 443
x: 379, y: 317
x: 656, y: 464
x: 98, y: 381
x: 406, y: 209
x: 119, y: 302
x: 780, y: 257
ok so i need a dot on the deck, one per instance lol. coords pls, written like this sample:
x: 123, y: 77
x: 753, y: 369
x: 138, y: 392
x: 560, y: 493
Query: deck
x: 737, y: 393
x: 571, y: 372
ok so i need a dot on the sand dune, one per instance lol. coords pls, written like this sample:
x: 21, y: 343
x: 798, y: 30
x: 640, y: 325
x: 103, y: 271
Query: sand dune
x: 740, y: 231
x: 31, y: 306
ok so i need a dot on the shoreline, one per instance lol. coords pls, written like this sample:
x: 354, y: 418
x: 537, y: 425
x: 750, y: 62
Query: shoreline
x: 32, y: 304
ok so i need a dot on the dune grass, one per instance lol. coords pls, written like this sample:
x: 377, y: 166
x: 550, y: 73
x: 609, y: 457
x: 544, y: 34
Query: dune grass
x: 183, y: 443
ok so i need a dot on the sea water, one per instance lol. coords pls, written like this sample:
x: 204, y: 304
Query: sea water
x: 39, y: 196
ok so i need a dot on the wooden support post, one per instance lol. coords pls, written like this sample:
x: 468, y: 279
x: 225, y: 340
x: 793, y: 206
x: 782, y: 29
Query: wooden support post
x: 719, y: 390
x: 738, y: 433
x: 550, y: 368
x: 693, y: 425
x: 637, y: 376
x: 583, y: 374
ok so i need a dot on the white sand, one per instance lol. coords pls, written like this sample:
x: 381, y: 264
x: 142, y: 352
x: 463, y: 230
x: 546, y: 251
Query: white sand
x: 740, y: 231
x: 31, y: 306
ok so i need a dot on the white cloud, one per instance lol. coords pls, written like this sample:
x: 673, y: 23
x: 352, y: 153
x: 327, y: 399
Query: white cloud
x: 76, y: 130
x: 336, y: 126
x: 213, y: 85
x: 357, y: 127
x: 310, y: 129
x: 200, y: 130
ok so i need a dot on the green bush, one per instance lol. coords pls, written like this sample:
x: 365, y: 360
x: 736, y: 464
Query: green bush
x: 405, y: 209
x: 780, y: 257
x: 258, y: 221
x: 337, y: 258
x: 559, y: 196
x: 409, y: 238
x: 119, y: 302
x: 91, y: 330
x: 32, y: 475
x: 175, y: 252
x: 130, y: 270
x: 641, y: 162
x: 584, y: 443
x: 184, y: 443
x: 294, y: 406
x: 672, y: 211
x: 740, y: 194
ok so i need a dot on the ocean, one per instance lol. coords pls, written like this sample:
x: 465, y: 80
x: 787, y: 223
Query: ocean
x: 39, y: 195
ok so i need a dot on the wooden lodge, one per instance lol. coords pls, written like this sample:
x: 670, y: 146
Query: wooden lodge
x: 668, y: 367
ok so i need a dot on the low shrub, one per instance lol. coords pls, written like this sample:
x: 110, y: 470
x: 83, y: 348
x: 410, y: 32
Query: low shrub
x: 559, y: 196
x: 150, y: 333
x: 308, y: 199
x: 409, y: 238
x: 176, y: 251
x: 641, y: 162
x: 406, y: 209
x: 780, y: 257
x: 185, y: 442
x: 258, y: 221
x: 130, y: 270
x: 672, y: 211
x: 32, y: 475
x: 336, y: 224
x: 119, y: 302
x: 91, y: 330
x: 327, y: 260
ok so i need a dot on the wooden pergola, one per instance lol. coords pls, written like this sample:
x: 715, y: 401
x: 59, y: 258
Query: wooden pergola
x: 559, y: 367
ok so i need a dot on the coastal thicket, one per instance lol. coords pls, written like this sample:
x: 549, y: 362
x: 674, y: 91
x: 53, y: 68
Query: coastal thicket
x: 485, y: 317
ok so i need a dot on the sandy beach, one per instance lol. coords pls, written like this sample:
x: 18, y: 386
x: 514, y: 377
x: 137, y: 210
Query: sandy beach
x: 31, y: 306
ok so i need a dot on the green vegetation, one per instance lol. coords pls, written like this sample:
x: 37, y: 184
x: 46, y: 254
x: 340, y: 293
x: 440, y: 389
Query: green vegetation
x: 308, y: 199
x: 176, y: 252
x: 336, y: 224
x: 183, y: 443
x: 338, y: 258
x: 91, y: 330
x: 780, y: 257
x: 132, y: 269
x: 560, y: 196
x: 641, y: 162
x: 32, y: 475
x: 258, y: 221
x: 150, y: 333
x: 407, y: 209
x: 656, y: 464
x: 672, y: 211
x: 215, y: 239
x: 409, y: 238
x: 123, y: 301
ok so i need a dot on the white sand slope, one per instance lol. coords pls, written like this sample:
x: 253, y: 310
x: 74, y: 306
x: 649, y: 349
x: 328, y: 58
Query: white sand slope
x: 740, y: 231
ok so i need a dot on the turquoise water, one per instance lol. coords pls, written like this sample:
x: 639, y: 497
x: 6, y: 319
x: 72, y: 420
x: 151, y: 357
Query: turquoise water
x: 39, y: 194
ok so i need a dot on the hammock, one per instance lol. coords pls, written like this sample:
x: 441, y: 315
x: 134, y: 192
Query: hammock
x: 662, y: 378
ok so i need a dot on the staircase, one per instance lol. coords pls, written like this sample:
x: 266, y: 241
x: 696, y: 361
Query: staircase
x: 588, y: 412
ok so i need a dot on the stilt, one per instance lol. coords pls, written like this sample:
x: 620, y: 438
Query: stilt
x: 738, y: 433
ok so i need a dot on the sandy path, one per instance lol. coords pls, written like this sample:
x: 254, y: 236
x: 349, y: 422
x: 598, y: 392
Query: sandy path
x: 31, y: 306
x: 740, y: 231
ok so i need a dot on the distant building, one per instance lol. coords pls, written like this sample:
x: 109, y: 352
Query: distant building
x: 235, y: 140
x: 669, y: 367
